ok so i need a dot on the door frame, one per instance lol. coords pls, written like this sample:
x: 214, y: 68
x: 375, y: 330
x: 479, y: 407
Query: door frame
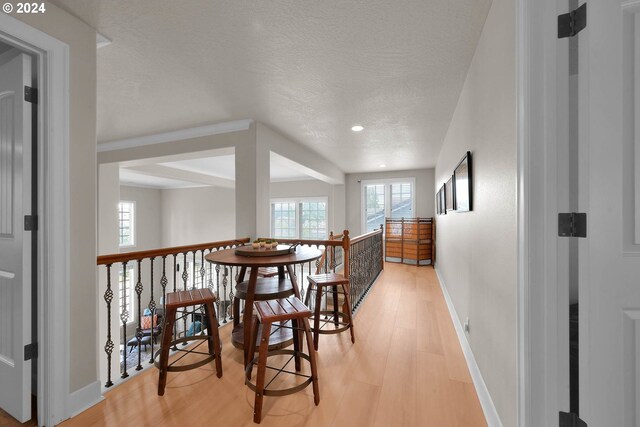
x: 537, y: 204
x: 53, y: 212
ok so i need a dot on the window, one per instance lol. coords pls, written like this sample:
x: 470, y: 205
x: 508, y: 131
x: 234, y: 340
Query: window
x: 126, y: 217
x: 386, y: 199
x: 304, y: 218
x: 283, y: 220
x: 401, y: 200
x: 374, y: 206
x: 126, y: 292
x: 194, y: 280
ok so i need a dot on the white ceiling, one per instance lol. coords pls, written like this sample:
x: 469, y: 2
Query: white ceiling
x: 309, y: 69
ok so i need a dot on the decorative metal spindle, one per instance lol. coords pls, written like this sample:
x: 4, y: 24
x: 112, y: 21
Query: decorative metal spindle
x: 185, y: 278
x: 232, y: 287
x: 216, y: 293
x: 108, y: 346
x: 185, y: 273
x: 175, y: 272
x: 225, y: 282
x: 124, y: 317
x: 194, y: 283
x: 175, y: 286
x: 163, y: 282
x: 225, y: 305
x: 203, y: 271
x: 152, y: 309
x: 139, y: 327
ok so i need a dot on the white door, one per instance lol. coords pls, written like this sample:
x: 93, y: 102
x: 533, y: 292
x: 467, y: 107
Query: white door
x: 609, y: 260
x: 15, y: 243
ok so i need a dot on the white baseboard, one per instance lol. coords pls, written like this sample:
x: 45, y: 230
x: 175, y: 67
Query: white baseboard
x: 83, y: 399
x: 489, y: 409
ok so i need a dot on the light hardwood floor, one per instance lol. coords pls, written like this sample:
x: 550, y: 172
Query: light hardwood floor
x: 405, y: 369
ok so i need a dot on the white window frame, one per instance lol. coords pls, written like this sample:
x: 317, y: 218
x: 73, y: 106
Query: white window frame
x: 298, y: 201
x: 133, y: 224
x: 387, y: 196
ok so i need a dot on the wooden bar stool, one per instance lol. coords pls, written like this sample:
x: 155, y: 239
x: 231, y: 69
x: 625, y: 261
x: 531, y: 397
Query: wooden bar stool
x: 342, y: 320
x: 267, y: 313
x: 174, y: 301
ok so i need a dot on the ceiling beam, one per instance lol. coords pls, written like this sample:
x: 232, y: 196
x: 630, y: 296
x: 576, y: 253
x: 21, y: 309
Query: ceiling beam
x: 182, y: 175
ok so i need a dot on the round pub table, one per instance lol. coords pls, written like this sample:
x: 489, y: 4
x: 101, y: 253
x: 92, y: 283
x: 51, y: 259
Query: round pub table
x: 242, y: 331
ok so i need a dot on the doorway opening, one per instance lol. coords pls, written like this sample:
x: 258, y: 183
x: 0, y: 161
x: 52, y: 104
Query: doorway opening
x: 18, y: 243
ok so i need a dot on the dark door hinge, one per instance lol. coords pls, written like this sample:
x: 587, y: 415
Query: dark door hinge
x: 31, y: 94
x: 572, y: 224
x: 31, y: 351
x: 570, y: 24
x: 30, y: 223
x: 569, y: 419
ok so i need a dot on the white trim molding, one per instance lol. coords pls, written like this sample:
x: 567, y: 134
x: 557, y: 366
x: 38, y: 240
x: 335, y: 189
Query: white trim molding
x: 85, y: 398
x: 177, y: 135
x: 488, y: 408
x: 523, y: 179
x: 53, y: 209
x: 102, y: 40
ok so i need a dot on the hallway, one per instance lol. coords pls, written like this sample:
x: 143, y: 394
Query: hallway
x: 405, y: 369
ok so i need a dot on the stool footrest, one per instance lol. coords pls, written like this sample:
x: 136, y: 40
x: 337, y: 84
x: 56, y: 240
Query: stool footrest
x: 283, y: 391
x: 202, y: 362
x: 344, y: 323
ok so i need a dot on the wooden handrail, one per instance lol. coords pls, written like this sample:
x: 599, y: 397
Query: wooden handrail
x: 154, y: 253
x: 307, y: 241
x: 365, y: 236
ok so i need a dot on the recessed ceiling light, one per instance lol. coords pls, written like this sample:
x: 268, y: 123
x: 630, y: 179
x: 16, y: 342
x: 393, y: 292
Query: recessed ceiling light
x: 357, y: 128
x: 383, y: 166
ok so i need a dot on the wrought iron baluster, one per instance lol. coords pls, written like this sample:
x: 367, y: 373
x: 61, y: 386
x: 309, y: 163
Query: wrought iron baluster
x: 231, y: 294
x: 203, y: 271
x: 225, y: 282
x: 194, y: 283
x: 175, y: 286
x: 185, y: 278
x: 124, y: 317
x: 220, y: 296
x: 139, y: 327
x: 185, y: 272
x: 164, y: 282
x: 152, y: 309
x: 108, y: 346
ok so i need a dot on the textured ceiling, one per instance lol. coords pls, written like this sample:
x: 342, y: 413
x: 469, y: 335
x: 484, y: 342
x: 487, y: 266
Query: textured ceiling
x: 309, y: 69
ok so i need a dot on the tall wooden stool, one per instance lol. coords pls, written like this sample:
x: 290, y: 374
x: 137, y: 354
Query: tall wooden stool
x: 335, y: 284
x: 174, y: 301
x: 267, y: 313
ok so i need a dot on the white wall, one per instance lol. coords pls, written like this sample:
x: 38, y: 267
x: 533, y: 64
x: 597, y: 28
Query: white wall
x: 315, y: 188
x: 424, y: 194
x: 198, y: 215
x: 477, y: 250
